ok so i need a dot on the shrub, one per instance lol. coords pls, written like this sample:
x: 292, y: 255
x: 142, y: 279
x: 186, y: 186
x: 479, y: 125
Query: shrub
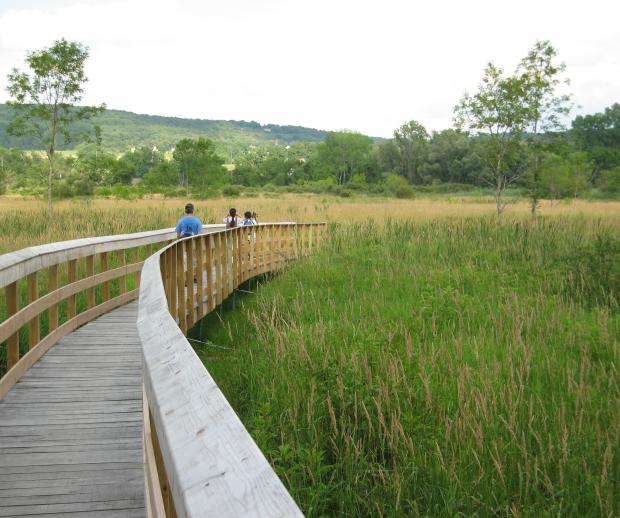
x: 62, y: 190
x: 231, y: 190
x: 399, y: 187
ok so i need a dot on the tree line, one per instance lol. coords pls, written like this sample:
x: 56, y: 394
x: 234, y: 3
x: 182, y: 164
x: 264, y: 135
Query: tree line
x: 508, y: 134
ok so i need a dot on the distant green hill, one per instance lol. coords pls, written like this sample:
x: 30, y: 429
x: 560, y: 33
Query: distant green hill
x: 123, y: 130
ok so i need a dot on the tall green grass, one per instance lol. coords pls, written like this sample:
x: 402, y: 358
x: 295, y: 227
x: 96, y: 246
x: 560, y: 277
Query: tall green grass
x: 455, y: 367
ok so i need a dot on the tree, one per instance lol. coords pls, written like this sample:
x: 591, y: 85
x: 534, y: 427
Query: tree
x: 197, y: 163
x: 498, y: 112
x: 563, y: 177
x: 540, y: 77
x: 452, y: 156
x: 94, y: 165
x: 411, y: 139
x: 610, y: 181
x: 44, y: 99
x: 599, y: 135
x: 345, y: 154
x: 136, y: 163
x: 388, y: 157
x: 163, y: 174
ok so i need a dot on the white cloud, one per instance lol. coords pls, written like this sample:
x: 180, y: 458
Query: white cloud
x: 362, y: 65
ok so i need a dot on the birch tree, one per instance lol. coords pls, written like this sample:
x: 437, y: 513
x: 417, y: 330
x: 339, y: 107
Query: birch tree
x: 497, y: 111
x: 44, y: 99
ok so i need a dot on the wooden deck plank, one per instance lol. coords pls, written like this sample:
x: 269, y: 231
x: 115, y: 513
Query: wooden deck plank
x: 71, y: 428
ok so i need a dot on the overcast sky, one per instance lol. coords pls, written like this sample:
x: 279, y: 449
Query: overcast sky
x: 362, y: 65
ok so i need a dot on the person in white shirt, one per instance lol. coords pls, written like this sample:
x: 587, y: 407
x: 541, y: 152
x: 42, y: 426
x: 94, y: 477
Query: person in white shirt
x: 232, y: 220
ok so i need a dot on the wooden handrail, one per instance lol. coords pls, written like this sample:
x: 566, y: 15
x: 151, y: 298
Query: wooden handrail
x: 205, y: 460
x: 17, y: 265
x: 21, y: 272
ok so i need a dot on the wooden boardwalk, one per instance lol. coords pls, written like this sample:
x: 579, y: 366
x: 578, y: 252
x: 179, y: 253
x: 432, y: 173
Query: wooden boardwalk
x: 71, y: 429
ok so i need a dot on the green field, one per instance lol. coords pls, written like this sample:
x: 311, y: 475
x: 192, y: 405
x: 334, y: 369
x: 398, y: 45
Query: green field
x: 455, y: 367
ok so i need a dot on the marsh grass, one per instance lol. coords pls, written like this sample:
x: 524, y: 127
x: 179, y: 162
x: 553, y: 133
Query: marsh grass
x: 441, y: 368
x: 425, y: 364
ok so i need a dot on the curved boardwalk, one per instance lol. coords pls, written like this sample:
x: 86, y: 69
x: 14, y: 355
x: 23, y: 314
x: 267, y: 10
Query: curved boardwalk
x: 71, y: 429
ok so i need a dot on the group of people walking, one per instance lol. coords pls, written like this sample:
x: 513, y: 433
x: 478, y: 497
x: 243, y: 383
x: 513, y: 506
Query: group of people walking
x: 189, y: 225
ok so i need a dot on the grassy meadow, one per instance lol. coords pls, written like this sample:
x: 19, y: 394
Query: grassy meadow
x: 428, y: 361
x: 436, y: 368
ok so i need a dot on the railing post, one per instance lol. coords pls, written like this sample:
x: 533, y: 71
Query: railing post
x: 72, y: 299
x: 290, y: 237
x: 234, y: 259
x: 104, y: 268
x: 256, y: 247
x: 122, y: 281
x: 242, y: 259
x: 90, y: 271
x: 219, y: 254
x: 172, y: 284
x: 272, y: 247
x: 263, y: 246
x: 34, y: 332
x: 52, y: 313
x: 248, y: 255
x: 136, y: 259
x: 209, y: 270
x: 12, y: 355
x: 281, y: 246
x: 180, y: 281
x: 230, y: 261
x: 200, y: 240
x: 189, y: 282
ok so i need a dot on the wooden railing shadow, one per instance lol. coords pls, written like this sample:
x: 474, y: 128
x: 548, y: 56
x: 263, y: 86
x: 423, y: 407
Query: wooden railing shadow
x: 199, y: 458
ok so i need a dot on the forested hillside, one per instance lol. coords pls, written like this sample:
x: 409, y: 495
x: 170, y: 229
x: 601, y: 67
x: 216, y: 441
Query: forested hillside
x: 123, y: 130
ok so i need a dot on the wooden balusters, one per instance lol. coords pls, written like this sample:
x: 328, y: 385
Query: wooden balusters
x: 13, y: 340
x: 199, y: 273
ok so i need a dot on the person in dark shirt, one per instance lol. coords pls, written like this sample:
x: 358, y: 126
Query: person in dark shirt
x: 189, y: 225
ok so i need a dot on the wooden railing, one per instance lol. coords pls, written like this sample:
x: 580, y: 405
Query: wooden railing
x: 199, y: 458
x: 75, y: 277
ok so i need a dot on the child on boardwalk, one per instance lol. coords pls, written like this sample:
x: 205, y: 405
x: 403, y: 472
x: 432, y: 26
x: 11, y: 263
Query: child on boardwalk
x: 250, y: 219
x: 232, y: 220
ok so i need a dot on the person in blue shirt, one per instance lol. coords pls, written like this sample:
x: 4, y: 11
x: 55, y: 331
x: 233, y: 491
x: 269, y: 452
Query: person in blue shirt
x: 189, y: 225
